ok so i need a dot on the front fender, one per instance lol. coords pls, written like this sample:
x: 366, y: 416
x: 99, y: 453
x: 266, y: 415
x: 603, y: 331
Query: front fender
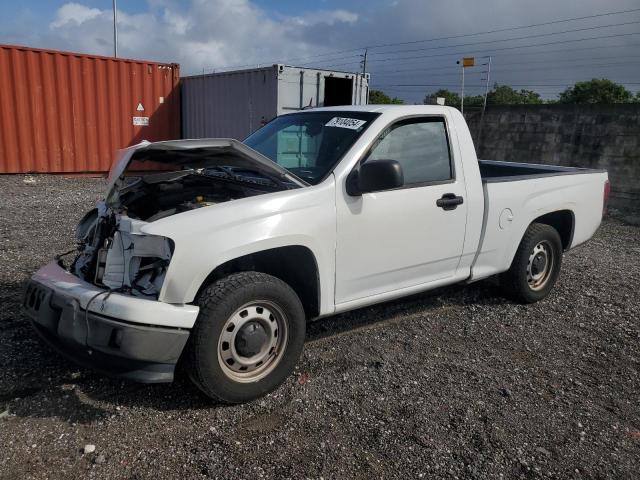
x: 208, y: 237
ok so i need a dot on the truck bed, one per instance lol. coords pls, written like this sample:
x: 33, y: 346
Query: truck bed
x: 515, y: 194
x: 493, y: 171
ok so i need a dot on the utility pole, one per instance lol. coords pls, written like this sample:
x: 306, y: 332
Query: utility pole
x: 364, y: 61
x: 484, y: 103
x: 486, y: 88
x: 462, y: 93
x: 466, y: 62
x: 115, y: 28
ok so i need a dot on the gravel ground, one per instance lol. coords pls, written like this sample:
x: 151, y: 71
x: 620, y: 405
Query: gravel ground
x: 458, y: 384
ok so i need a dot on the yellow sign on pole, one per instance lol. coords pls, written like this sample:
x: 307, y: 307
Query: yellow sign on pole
x: 468, y: 61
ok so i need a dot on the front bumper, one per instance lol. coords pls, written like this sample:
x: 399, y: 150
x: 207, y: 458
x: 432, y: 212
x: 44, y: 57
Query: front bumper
x: 141, y: 342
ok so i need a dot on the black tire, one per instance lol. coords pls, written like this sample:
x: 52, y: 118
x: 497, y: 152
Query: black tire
x: 517, y: 281
x: 219, y: 302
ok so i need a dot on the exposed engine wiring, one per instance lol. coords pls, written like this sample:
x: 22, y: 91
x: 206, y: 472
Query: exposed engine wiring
x: 58, y: 258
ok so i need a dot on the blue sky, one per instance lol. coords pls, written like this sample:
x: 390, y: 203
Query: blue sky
x: 203, y: 35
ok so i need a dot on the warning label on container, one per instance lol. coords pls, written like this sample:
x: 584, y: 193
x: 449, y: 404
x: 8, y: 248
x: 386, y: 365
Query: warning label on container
x: 141, y: 121
x: 350, y: 123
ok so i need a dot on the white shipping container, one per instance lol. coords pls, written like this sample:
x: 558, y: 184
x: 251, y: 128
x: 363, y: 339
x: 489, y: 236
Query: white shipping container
x: 235, y: 104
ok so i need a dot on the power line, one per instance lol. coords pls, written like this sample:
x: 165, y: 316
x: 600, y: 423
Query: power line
x: 450, y: 37
x: 581, y: 65
x: 506, y: 68
x: 502, y: 55
x: 450, y: 54
x: 491, y: 31
x: 507, y: 29
x: 571, y: 65
x: 512, y: 38
x: 494, y: 41
x: 422, y: 85
x: 533, y: 84
x: 564, y: 61
x: 568, y: 82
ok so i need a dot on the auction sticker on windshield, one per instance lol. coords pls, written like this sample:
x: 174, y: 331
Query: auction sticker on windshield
x: 351, y: 123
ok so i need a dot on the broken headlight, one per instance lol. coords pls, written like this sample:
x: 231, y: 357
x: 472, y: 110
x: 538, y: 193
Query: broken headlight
x: 133, y: 261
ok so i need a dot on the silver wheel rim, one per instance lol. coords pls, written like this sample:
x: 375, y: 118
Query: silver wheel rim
x: 540, y: 265
x: 271, y: 321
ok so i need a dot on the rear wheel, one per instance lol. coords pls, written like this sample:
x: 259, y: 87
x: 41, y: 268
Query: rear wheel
x: 536, y: 265
x: 247, y: 338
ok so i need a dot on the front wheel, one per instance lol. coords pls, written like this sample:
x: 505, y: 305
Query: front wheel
x: 536, y: 265
x: 247, y: 338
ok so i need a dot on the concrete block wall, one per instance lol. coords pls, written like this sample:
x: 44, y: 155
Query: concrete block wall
x: 591, y: 136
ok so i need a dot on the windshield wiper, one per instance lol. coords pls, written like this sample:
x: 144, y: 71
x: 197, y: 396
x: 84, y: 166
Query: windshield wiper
x: 230, y: 172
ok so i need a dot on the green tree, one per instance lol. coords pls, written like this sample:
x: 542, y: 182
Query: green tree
x: 499, y: 95
x: 598, y: 90
x: 378, y: 97
x: 505, y: 95
x: 473, y: 100
x: 450, y: 98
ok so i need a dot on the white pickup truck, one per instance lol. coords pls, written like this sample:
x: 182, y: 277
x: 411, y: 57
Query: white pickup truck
x: 218, y: 252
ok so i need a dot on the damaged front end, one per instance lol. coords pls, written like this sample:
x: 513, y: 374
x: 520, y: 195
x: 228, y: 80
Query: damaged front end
x: 115, y: 254
x: 152, y: 181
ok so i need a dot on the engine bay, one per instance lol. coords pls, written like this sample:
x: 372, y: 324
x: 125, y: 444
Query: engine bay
x: 158, y: 195
x: 113, y: 252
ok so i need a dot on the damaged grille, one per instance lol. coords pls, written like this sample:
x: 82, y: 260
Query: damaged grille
x: 134, y: 260
x: 35, y: 296
x: 115, y: 254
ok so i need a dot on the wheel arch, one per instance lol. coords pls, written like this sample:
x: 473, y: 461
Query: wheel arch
x: 563, y: 221
x: 296, y: 265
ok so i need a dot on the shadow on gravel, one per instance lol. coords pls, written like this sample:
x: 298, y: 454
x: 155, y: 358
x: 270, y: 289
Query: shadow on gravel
x: 40, y: 383
x: 481, y: 293
x: 36, y: 381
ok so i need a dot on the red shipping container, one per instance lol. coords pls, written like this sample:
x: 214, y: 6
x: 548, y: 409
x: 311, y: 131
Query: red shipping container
x: 69, y: 112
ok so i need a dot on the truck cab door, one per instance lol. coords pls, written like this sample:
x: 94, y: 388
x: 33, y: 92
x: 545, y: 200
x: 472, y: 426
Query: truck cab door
x: 410, y: 236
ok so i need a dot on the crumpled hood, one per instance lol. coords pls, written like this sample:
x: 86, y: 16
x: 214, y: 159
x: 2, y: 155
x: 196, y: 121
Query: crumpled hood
x: 201, y: 153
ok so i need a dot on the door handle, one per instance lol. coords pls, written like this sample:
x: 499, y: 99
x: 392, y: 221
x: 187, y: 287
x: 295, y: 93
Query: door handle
x: 449, y: 201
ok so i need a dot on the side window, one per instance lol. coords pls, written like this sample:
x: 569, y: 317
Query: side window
x: 420, y: 146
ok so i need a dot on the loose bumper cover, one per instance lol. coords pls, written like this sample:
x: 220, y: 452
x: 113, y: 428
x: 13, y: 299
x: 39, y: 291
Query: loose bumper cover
x: 79, y: 329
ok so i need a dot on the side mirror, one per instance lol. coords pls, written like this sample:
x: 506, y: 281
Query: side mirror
x: 374, y: 176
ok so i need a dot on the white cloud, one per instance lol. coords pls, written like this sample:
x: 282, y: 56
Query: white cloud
x: 73, y: 13
x: 208, y: 34
x: 201, y: 34
x: 178, y: 23
x: 327, y: 17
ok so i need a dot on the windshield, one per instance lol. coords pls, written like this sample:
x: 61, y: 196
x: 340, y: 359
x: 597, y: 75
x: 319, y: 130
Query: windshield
x: 309, y: 144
